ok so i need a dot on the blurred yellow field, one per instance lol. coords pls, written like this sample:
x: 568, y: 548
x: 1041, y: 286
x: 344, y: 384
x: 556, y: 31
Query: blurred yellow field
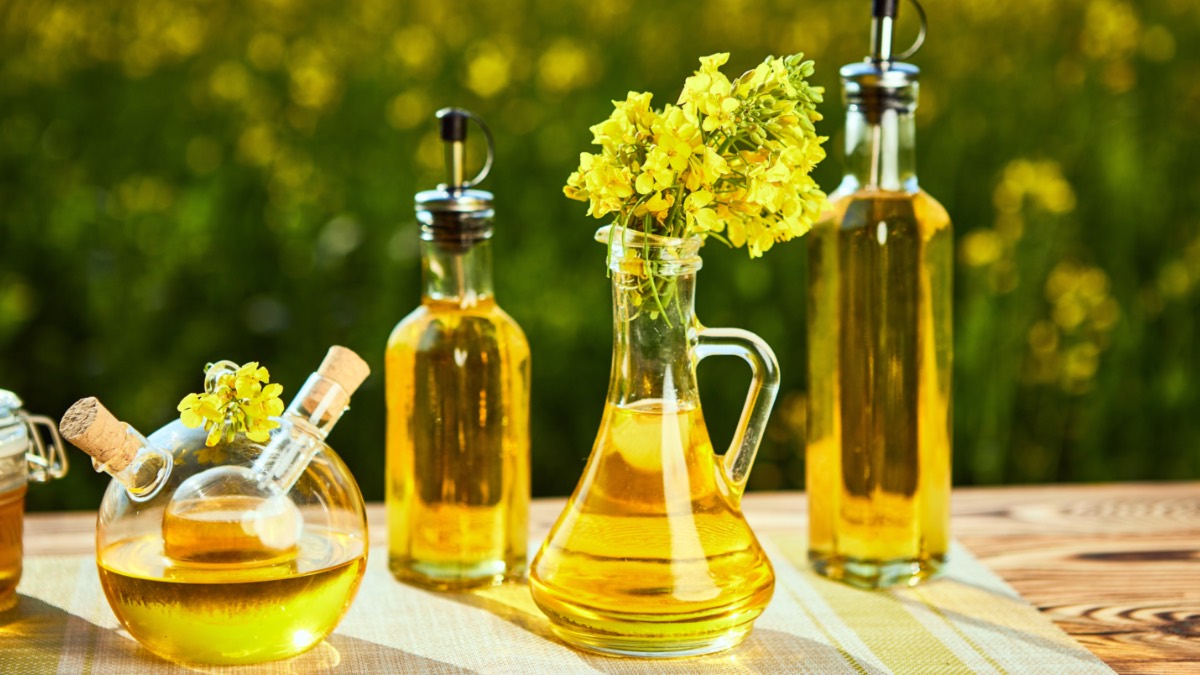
x: 182, y: 182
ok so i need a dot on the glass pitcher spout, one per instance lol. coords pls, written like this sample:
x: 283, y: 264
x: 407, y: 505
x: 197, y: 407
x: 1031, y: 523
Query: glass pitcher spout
x: 652, y: 556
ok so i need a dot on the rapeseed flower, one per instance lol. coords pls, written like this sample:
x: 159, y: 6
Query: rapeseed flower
x: 236, y: 399
x: 732, y: 157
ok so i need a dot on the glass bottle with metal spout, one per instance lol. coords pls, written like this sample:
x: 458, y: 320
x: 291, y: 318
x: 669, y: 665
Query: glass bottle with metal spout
x: 24, y: 456
x: 880, y: 342
x: 457, y: 399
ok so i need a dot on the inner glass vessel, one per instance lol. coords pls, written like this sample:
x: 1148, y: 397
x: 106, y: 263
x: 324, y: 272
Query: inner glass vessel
x: 652, y: 556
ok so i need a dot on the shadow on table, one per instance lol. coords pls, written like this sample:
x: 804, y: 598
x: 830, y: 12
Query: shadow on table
x: 371, y: 657
x: 33, y: 634
x: 37, y: 637
x: 764, y: 651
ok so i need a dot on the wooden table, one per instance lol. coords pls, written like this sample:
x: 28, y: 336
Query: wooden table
x: 1116, y: 566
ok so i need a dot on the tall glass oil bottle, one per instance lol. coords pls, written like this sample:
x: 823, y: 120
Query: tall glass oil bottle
x: 652, y: 556
x: 879, y: 336
x: 457, y: 400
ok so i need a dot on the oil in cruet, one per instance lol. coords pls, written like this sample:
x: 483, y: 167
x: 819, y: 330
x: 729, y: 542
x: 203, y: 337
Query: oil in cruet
x: 652, y: 556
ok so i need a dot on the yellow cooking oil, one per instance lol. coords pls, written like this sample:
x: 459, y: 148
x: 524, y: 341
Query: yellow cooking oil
x: 233, y: 613
x: 231, y: 529
x: 12, y: 518
x: 651, y: 549
x: 457, y: 445
x: 879, y: 419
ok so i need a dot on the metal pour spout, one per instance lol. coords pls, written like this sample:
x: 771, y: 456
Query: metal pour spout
x: 883, y: 19
x: 883, y: 29
x: 454, y: 135
x: 452, y: 124
x: 455, y: 214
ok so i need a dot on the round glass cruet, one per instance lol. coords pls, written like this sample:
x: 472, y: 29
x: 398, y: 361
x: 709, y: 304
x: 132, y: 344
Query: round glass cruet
x: 235, y: 553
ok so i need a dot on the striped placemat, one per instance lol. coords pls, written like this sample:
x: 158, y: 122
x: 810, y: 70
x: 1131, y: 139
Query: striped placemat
x: 969, y: 621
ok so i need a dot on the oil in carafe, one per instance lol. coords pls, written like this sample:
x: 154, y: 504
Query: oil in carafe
x: 649, y: 542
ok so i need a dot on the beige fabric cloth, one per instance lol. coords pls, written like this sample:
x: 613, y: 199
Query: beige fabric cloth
x: 968, y: 621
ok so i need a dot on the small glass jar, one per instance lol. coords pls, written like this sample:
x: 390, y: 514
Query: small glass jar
x: 24, y: 456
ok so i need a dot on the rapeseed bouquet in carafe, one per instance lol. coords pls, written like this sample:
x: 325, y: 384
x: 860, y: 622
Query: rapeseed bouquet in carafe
x: 652, y: 555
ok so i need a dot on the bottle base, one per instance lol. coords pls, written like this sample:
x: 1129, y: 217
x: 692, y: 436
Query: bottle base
x: 653, y: 647
x: 455, y: 577
x: 872, y: 574
x: 688, y: 631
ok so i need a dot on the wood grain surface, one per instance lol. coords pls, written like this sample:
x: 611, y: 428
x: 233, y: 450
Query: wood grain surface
x: 1116, y: 566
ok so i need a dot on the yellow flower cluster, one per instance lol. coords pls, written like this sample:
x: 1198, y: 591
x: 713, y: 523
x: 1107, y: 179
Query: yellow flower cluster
x: 731, y: 160
x: 236, y: 399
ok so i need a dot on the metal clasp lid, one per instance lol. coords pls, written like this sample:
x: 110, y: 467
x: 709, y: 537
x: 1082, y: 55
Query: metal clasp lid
x: 46, y: 461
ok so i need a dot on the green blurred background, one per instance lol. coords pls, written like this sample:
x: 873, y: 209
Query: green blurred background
x: 187, y: 181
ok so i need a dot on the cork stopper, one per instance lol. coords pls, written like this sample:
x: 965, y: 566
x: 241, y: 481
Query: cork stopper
x: 344, y: 367
x: 92, y: 428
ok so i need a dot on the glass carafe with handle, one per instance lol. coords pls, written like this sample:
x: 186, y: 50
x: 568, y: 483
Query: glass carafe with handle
x: 652, y: 556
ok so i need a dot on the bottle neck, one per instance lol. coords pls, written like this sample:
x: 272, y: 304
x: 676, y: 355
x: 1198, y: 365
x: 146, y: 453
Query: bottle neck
x: 458, y: 274
x: 652, y: 351
x: 880, y: 148
x: 318, y: 405
x: 142, y: 468
x: 312, y: 414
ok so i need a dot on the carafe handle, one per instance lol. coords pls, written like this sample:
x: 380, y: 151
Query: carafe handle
x: 764, y: 370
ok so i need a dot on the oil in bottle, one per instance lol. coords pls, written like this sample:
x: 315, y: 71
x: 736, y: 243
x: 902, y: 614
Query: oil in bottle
x: 879, y: 440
